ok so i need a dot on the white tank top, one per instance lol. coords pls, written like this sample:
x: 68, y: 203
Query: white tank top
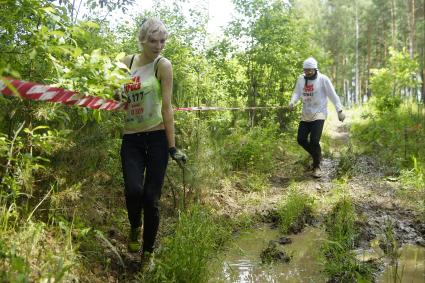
x: 144, y: 99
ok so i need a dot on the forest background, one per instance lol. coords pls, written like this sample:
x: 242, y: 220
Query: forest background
x: 61, y: 196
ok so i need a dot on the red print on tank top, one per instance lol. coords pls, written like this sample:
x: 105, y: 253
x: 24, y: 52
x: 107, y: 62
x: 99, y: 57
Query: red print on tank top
x: 135, y: 85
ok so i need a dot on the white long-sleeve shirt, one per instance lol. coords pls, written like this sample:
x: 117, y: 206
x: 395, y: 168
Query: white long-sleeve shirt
x: 314, y: 96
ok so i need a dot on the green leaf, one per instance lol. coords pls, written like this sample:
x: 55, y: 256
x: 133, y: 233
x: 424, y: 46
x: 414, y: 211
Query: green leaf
x: 91, y: 24
x: 48, y: 10
x: 77, y: 52
x: 40, y: 128
x: 33, y: 53
x: 119, y: 56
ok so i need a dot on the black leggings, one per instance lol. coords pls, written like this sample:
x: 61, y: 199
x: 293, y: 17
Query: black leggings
x: 144, y: 158
x: 312, y: 146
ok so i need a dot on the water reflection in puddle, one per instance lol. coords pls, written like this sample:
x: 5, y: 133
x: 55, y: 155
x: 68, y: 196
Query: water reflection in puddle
x: 411, y: 267
x: 242, y: 263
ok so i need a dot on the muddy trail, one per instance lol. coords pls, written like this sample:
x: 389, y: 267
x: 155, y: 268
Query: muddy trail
x: 373, y: 193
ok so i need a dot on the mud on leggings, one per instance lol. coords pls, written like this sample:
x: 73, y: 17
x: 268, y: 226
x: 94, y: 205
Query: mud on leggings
x: 313, y: 130
x: 144, y: 158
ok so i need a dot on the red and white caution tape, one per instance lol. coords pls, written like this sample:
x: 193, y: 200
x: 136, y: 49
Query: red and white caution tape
x: 34, y: 91
x: 214, y: 108
x: 41, y: 92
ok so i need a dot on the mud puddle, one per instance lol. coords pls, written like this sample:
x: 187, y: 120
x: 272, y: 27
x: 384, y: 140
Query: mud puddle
x: 242, y: 261
x: 409, y: 268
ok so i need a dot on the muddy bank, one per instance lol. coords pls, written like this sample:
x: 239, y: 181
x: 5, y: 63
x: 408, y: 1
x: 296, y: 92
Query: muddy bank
x: 379, y: 218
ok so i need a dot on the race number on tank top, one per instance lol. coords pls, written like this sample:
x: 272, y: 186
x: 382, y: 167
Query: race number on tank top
x: 144, y: 99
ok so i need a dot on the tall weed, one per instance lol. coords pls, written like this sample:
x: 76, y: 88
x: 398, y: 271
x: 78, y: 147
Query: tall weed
x: 184, y: 255
x: 204, y: 166
x: 32, y: 251
x: 413, y: 185
x: 295, y: 212
x: 254, y: 150
x: 340, y: 263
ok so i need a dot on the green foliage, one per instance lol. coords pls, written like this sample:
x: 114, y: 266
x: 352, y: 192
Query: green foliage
x: 295, y: 212
x: 413, y: 185
x: 387, y: 83
x: 256, y: 182
x: 386, y: 103
x: 32, y: 251
x: 414, y: 178
x: 340, y: 262
x: 382, y: 89
x: 109, y: 5
x: 184, y: 255
x: 253, y: 151
x: 274, y: 44
x: 25, y: 155
x: 347, y: 163
x: 392, y: 137
x: 340, y: 223
x: 244, y: 221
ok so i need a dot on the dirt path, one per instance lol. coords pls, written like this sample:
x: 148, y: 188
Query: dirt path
x: 375, y: 197
x: 374, y: 194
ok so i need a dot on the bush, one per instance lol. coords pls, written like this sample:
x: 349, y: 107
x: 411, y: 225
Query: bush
x: 391, y: 137
x: 388, y: 83
x: 254, y: 150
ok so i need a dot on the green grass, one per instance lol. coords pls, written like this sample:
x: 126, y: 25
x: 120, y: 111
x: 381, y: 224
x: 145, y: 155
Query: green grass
x: 253, y: 150
x: 184, y: 255
x: 295, y: 211
x: 392, y: 137
x: 412, y: 186
x: 340, y: 263
x: 395, y: 139
x: 32, y: 251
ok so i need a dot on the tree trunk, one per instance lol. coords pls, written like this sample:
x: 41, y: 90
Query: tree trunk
x: 393, y: 26
x: 412, y: 29
x: 423, y: 53
x: 369, y: 51
x: 357, y: 58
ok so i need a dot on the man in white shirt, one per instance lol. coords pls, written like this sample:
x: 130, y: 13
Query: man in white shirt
x: 314, y: 88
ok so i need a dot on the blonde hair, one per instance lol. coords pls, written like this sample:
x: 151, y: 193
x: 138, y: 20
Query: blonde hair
x: 149, y: 27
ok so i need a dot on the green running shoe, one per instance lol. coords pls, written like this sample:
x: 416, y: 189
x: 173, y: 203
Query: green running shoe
x: 133, y: 243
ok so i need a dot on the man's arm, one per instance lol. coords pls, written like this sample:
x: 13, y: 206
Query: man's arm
x: 297, y: 94
x: 330, y: 92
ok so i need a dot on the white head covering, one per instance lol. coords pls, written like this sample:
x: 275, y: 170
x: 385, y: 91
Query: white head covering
x: 310, y: 63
